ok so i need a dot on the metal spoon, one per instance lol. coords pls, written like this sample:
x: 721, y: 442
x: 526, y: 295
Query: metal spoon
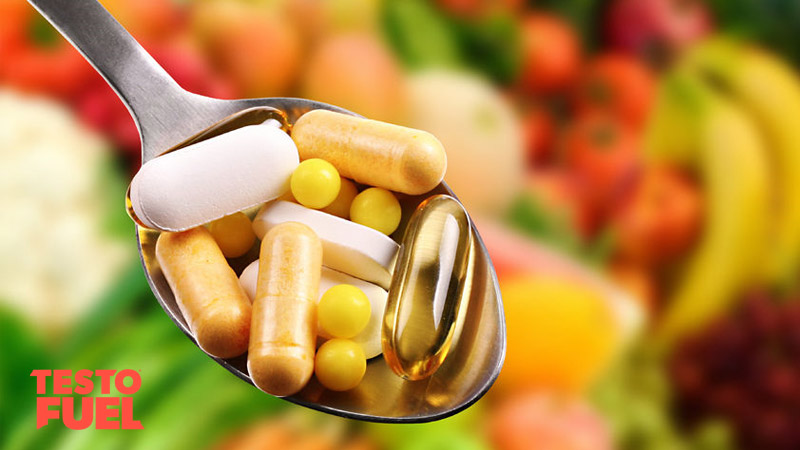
x: 168, y: 116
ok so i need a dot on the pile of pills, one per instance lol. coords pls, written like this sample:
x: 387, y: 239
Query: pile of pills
x: 313, y: 302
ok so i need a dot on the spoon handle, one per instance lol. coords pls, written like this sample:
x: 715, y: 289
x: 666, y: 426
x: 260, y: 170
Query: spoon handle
x: 163, y: 111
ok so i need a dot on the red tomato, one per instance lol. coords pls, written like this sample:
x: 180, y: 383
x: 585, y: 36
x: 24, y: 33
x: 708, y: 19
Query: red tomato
x: 35, y: 58
x: 617, y: 84
x: 604, y: 156
x: 539, y: 130
x: 661, y: 219
x: 551, y: 53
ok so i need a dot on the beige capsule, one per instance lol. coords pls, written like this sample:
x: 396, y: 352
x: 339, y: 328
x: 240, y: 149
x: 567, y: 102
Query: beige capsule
x: 283, y: 332
x: 370, y: 152
x: 207, y: 291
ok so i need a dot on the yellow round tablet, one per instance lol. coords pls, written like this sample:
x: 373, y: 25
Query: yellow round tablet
x: 234, y: 234
x: 376, y: 208
x: 315, y: 183
x: 340, y: 364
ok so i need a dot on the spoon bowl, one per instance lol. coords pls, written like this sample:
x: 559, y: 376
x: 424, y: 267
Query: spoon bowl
x: 169, y: 117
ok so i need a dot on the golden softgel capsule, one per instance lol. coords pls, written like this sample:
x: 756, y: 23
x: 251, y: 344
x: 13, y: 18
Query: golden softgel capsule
x: 429, y: 287
x: 207, y: 291
x: 374, y: 153
x: 283, y: 331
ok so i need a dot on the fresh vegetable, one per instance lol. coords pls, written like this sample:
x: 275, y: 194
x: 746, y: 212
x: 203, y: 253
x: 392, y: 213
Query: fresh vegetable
x: 661, y: 219
x: 539, y: 127
x: 551, y: 53
x: 479, y: 131
x: 604, y: 155
x: 617, y: 84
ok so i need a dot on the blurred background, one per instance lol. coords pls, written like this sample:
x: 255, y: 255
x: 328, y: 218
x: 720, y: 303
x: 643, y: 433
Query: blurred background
x: 632, y: 165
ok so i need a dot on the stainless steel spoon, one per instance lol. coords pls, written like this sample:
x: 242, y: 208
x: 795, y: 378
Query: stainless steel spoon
x: 168, y: 116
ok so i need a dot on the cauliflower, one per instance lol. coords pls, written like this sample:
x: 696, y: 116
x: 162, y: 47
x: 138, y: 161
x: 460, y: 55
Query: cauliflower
x: 55, y: 257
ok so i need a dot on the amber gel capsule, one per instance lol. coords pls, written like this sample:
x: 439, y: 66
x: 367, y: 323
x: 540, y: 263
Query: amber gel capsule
x: 370, y: 152
x: 207, y: 291
x: 428, y: 289
x: 283, y: 331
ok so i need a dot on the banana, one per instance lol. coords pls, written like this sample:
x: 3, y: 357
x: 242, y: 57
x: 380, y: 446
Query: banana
x: 727, y: 152
x: 769, y: 91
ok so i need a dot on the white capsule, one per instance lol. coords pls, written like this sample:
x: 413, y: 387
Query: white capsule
x: 348, y: 247
x: 213, y: 178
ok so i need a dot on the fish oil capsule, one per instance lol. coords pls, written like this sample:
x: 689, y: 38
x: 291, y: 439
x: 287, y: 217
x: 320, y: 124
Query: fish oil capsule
x: 429, y: 287
x: 283, y: 331
x: 207, y: 291
x: 375, y: 153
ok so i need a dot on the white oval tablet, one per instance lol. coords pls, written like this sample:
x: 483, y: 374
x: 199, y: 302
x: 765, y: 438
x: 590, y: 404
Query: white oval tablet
x: 214, y: 178
x: 348, y: 247
x: 370, y: 337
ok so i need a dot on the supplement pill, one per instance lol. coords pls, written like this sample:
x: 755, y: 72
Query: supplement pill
x: 283, y: 332
x: 341, y: 205
x: 375, y: 153
x: 343, y: 311
x: 315, y: 183
x: 213, y: 178
x: 207, y: 291
x: 430, y: 284
x: 378, y: 209
x: 340, y: 364
x: 234, y: 234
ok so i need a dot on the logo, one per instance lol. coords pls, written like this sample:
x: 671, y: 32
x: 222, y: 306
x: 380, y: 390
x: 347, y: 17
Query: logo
x: 78, y: 410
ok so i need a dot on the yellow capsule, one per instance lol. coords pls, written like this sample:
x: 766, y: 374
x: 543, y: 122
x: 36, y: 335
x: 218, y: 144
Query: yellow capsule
x: 207, y: 291
x: 375, y: 153
x: 429, y: 288
x: 283, y: 332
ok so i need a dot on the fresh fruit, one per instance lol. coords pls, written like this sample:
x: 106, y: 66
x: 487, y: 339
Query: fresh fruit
x: 551, y: 53
x: 343, y: 311
x: 560, y: 334
x: 604, y: 155
x: 661, y: 219
x: 315, y: 183
x: 341, y: 204
x: 479, y: 131
x: 356, y: 72
x: 539, y: 129
x: 657, y: 28
x: 743, y: 369
x: 637, y: 281
x: 376, y: 208
x: 340, y: 364
x: 769, y: 90
x: 255, y: 46
x: 234, y: 234
x: 727, y: 147
x: 148, y: 19
x: 543, y: 421
x: 557, y: 192
x: 617, y: 84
